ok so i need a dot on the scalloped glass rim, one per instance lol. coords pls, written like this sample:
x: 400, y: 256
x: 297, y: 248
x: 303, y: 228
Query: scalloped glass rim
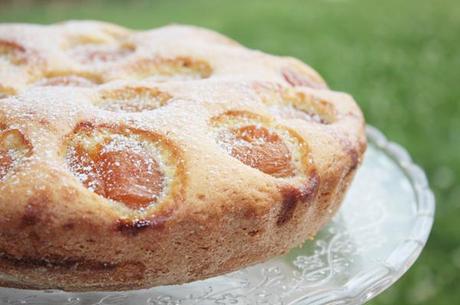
x: 369, y: 283
x: 361, y: 287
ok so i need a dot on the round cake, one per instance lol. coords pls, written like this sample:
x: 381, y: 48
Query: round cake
x: 131, y: 159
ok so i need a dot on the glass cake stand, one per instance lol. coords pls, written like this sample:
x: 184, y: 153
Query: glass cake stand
x: 377, y: 235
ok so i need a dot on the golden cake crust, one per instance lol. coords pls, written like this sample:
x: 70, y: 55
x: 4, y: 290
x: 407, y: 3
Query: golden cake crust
x: 133, y: 159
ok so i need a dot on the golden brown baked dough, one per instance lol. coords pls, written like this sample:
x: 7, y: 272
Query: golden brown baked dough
x: 132, y: 159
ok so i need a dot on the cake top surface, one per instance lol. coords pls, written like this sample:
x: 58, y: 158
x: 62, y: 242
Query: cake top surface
x: 138, y: 122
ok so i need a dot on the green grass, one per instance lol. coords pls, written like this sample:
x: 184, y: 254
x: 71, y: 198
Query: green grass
x: 400, y: 60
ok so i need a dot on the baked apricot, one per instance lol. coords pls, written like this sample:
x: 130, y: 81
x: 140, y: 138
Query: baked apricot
x: 13, y: 146
x: 260, y: 148
x: 125, y: 175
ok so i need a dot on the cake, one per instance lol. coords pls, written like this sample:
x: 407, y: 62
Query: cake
x: 132, y: 159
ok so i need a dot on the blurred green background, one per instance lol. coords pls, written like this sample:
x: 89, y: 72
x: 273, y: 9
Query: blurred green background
x: 400, y: 59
